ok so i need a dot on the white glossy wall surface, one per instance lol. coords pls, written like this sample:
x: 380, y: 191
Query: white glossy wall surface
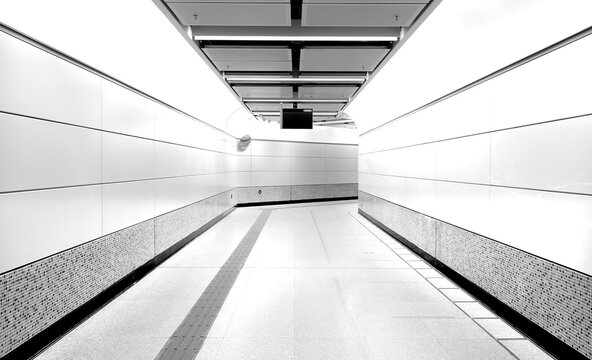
x: 302, y: 163
x: 509, y: 159
x: 461, y: 41
x: 82, y: 157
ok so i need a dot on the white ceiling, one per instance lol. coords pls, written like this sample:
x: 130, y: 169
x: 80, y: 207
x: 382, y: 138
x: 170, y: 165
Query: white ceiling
x: 320, y: 42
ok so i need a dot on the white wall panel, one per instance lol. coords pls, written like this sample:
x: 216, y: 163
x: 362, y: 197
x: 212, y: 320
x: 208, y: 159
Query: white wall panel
x: 169, y: 160
x: 40, y: 154
x: 308, y: 150
x: 553, y: 156
x: 126, y: 204
x: 464, y: 159
x: 309, y: 163
x: 126, y: 112
x: 270, y: 148
x: 267, y: 163
x: 369, y: 163
x: 554, y: 86
x: 308, y: 177
x: 127, y: 158
x: 270, y: 178
x: 554, y: 226
x: 333, y: 150
x: 36, y: 224
x: 420, y: 195
x: 342, y: 164
x: 202, y: 186
x: 387, y: 187
x: 172, y: 126
x: 210, y: 165
x: 35, y: 83
x: 240, y: 163
x: 416, y: 161
x: 464, y: 205
x: 195, y: 161
x: 466, y: 113
x: 240, y: 179
x: 341, y: 177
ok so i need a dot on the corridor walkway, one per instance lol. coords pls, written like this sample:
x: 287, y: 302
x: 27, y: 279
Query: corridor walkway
x: 321, y: 282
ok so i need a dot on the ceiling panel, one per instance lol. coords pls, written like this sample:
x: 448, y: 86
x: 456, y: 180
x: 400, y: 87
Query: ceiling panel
x: 242, y: 65
x: 248, y: 53
x: 267, y: 106
x: 237, y: 13
x: 353, y: 1
x: 331, y: 92
x: 264, y: 91
x: 359, y: 14
x: 341, y: 59
x: 321, y: 107
x: 250, y: 58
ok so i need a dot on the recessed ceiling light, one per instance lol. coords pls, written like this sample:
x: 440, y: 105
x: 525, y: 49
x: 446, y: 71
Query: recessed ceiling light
x: 289, y: 80
x: 300, y: 100
x: 331, y: 122
x: 293, y: 38
x: 277, y: 113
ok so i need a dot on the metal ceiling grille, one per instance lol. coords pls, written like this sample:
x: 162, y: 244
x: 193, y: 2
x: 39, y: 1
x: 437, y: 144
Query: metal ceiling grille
x: 313, y: 54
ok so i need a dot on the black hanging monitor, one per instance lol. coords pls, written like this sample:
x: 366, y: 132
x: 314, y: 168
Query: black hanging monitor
x: 296, y: 119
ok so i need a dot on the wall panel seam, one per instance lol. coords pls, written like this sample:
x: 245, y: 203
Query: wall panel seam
x: 479, y: 184
x: 117, y: 182
x: 478, y: 134
x: 118, y: 133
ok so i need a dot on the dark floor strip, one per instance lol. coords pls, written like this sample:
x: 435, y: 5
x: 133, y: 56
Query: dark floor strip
x: 189, y: 337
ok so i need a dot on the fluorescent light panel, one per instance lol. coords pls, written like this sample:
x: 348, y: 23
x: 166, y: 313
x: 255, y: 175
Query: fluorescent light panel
x: 293, y: 38
x: 301, y: 100
x: 277, y: 113
x: 310, y: 79
x: 331, y: 122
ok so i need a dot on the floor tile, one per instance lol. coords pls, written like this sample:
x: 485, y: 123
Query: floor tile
x: 475, y: 349
x: 457, y: 295
x: 476, y: 310
x: 260, y: 327
x: 390, y: 349
x: 256, y: 349
x: 499, y: 329
x: 429, y: 273
x: 419, y: 264
x: 526, y: 350
x: 456, y: 329
x: 442, y: 283
x: 328, y: 349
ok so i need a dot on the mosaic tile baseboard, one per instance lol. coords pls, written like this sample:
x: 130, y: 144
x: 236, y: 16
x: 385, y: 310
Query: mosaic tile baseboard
x: 557, y: 299
x: 35, y: 296
x: 248, y: 195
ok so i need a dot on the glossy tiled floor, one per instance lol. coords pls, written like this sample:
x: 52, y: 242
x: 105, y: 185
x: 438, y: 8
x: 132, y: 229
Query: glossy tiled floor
x: 320, y: 283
